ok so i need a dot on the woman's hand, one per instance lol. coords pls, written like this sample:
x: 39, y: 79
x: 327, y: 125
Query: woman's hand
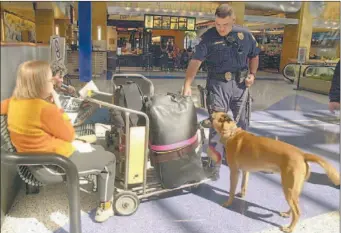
x: 71, y: 90
x: 56, y: 100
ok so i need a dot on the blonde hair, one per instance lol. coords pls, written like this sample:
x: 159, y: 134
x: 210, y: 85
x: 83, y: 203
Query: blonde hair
x: 32, y: 78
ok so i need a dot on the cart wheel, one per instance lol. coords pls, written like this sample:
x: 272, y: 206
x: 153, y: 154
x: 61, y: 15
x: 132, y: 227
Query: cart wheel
x: 126, y: 203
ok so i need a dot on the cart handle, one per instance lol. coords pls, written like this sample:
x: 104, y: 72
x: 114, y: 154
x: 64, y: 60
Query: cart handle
x: 151, y: 85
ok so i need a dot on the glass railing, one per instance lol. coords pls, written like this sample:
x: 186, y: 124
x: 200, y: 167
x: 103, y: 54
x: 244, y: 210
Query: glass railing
x: 319, y: 71
x: 314, y: 77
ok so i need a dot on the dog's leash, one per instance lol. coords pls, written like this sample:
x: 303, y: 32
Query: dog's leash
x: 246, y: 98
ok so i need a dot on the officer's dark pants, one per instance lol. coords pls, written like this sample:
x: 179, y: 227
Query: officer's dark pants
x: 223, y: 96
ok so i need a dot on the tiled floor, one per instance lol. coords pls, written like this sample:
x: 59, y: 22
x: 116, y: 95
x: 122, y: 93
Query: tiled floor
x: 297, y: 117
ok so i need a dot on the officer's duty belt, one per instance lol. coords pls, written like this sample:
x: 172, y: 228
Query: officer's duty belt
x: 239, y: 76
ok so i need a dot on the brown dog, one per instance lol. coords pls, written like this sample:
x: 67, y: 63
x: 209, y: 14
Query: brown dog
x: 250, y: 153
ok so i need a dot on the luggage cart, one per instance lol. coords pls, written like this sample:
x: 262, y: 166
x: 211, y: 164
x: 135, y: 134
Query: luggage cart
x: 135, y: 178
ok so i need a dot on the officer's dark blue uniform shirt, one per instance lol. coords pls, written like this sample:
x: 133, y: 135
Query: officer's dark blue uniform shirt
x: 226, y: 54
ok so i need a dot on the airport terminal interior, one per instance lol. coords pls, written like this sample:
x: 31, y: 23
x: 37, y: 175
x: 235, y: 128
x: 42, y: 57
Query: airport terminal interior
x: 151, y: 44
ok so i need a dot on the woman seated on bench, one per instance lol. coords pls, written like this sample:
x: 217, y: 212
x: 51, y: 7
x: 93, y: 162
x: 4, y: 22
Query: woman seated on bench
x: 37, y: 125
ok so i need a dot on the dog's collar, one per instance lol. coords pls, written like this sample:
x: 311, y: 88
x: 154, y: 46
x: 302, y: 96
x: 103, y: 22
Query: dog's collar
x: 235, y: 130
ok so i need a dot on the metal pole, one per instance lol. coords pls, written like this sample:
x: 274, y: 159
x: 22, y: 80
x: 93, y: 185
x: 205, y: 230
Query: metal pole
x: 127, y: 147
x: 299, y: 77
x: 146, y: 153
x: 72, y: 179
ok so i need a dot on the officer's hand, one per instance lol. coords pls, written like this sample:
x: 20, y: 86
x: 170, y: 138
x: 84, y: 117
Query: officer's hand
x: 249, y: 80
x: 187, y: 91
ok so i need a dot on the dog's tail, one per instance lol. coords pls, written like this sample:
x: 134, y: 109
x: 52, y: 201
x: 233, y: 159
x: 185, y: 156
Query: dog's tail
x: 332, y: 173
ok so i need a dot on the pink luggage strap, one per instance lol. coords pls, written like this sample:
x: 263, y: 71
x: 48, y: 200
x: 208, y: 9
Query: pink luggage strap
x: 174, y: 146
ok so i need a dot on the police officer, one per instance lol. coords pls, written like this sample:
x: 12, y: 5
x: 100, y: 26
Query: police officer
x: 231, y: 55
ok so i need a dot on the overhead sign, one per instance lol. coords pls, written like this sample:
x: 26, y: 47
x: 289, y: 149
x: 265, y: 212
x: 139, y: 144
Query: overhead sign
x: 302, y: 53
x: 57, y: 49
x: 168, y: 22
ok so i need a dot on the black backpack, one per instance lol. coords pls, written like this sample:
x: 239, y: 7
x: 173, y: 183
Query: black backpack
x: 128, y: 95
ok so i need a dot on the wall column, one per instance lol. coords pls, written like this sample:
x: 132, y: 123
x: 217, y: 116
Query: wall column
x: 239, y: 10
x: 62, y: 25
x: 296, y: 36
x: 44, y: 19
x: 85, y: 45
x: 99, y: 19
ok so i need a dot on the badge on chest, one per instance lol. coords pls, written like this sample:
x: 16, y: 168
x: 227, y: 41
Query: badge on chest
x: 240, y: 35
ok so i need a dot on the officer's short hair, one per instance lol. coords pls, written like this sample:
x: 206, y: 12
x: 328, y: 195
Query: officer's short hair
x: 224, y: 10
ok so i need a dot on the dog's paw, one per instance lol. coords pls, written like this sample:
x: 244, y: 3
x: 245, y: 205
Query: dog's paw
x: 284, y: 214
x: 227, y: 203
x: 286, y: 229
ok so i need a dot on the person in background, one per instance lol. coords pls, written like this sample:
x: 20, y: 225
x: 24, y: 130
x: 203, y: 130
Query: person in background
x: 58, y: 72
x: 334, y: 93
x: 96, y: 115
x: 37, y: 125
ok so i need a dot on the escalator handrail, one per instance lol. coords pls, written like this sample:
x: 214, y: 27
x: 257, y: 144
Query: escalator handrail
x: 320, y: 66
x: 304, y: 72
x: 283, y: 73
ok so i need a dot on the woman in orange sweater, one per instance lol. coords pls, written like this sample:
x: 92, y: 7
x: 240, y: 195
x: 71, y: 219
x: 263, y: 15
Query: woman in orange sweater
x: 36, y: 124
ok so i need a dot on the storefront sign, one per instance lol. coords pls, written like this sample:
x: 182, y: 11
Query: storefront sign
x: 302, y: 53
x: 167, y: 22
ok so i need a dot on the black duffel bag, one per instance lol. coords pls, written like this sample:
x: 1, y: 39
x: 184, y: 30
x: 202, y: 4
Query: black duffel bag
x: 173, y: 119
x: 175, y: 140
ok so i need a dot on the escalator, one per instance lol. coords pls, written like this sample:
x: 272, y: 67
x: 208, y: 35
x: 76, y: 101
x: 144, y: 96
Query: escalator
x: 316, y: 78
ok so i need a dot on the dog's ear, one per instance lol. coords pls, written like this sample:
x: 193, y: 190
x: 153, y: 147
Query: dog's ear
x: 214, y: 115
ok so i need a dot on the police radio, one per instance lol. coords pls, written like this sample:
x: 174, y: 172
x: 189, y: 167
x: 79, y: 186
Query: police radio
x: 230, y: 41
